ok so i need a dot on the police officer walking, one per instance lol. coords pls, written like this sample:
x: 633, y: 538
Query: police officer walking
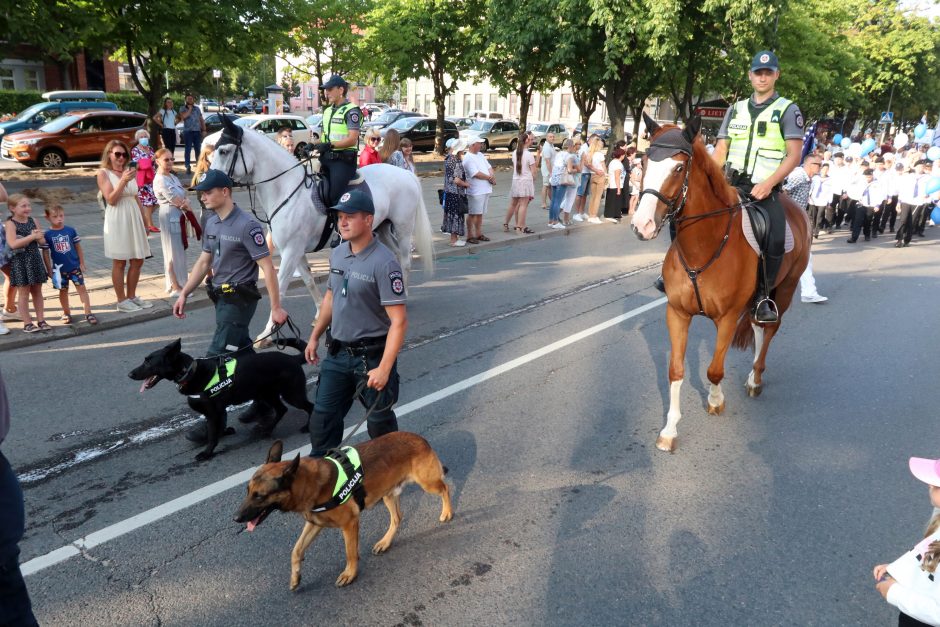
x: 341, y: 123
x: 364, y: 320
x: 761, y: 139
x: 233, y: 245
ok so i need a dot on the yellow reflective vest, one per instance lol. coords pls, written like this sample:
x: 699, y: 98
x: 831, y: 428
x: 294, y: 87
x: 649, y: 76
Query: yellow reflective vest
x: 334, y: 124
x: 757, y: 146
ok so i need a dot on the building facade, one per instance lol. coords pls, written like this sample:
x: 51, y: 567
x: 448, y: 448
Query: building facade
x: 26, y: 68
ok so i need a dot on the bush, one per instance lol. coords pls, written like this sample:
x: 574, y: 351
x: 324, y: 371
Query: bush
x: 14, y: 101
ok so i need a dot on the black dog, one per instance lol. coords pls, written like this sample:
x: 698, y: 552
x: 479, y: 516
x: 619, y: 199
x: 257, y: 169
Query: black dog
x: 212, y: 384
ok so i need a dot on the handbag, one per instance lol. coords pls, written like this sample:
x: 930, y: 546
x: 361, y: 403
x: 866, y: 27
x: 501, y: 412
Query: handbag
x: 463, y: 205
x: 567, y: 179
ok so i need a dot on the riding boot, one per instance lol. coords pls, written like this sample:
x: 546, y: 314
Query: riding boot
x: 660, y: 284
x: 766, y: 309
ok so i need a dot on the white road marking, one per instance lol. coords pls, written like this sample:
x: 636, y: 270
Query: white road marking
x: 204, y: 493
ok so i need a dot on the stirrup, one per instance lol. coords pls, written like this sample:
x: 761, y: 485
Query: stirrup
x: 773, y: 307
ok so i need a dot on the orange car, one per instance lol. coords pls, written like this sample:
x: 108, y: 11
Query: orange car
x: 79, y: 136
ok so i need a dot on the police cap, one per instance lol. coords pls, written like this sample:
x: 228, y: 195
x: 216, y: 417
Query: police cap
x: 765, y: 59
x: 212, y: 179
x: 355, y: 201
x: 335, y: 81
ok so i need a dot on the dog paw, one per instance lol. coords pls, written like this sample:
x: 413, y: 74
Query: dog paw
x: 229, y: 431
x: 345, y: 578
x: 294, y: 582
x: 380, y: 547
x: 446, y: 516
x: 204, y: 455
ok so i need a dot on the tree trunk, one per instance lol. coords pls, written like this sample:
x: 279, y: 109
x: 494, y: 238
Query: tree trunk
x: 586, y: 101
x: 525, y: 97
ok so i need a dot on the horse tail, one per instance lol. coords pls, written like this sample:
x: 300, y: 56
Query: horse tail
x: 743, y: 335
x: 422, y: 233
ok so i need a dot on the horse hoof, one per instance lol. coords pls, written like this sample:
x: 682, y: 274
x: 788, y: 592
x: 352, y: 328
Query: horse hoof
x: 754, y: 391
x: 716, y: 411
x: 666, y: 444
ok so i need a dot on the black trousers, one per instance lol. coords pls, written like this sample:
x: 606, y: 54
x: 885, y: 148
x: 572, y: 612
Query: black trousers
x: 919, y: 220
x: 339, y: 171
x: 889, y: 214
x: 15, y: 608
x: 817, y: 215
x: 863, y: 221
x: 169, y: 138
x: 906, y: 223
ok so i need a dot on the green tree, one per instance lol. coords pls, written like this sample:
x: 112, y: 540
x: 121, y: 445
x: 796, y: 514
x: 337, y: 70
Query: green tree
x: 329, y: 36
x: 579, y: 63
x: 418, y: 38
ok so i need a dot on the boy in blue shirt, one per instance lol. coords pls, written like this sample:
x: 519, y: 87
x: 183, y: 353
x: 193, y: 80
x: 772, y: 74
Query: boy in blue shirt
x: 63, y: 251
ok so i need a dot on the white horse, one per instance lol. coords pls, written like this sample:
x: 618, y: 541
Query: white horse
x: 283, y: 188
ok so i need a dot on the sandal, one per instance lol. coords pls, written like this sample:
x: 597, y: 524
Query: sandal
x: 30, y: 328
x: 483, y: 238
x: 66, y: 319
x: 506, y: 228
x: 91, y: 319
x: 43, y: 326
x: 524, y: 229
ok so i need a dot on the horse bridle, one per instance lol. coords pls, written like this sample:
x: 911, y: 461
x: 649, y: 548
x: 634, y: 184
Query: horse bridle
x: 673, y: 205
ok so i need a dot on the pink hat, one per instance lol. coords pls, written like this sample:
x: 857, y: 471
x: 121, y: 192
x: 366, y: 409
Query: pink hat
x: 927, y: 470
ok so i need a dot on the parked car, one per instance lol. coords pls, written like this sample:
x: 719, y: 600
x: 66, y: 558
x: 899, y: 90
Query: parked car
x: 602, y: 130
x: 389, y: 117
x: 422, y: 131
x: 461, y: 122
x: 253, y: 105
x: 315, y: 122
x: 541, y: 129
x: 77, y: 136
x: 212, y: 106
x: 213, y: 124
x: 269, y: 125
x: 495, y: 133
x: 486, y: 115
x: 57, y: 103
x: 376, y: 105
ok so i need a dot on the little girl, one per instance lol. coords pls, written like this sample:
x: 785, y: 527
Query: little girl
x: 909, y: 582
x: 27, y: 270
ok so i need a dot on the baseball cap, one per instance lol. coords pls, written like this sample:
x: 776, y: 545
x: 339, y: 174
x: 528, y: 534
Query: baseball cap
x: 921, y: 162
x: 212, y: 179
x: 765, y: 59
x: 335, y: 81
x: 475, y: 139
x: 927, y: 470
x: 838, y: 155
x: 354, y: 202
x: 458, y: 145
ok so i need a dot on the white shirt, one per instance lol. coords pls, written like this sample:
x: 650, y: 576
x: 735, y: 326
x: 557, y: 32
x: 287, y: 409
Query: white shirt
x: 581, y: 152
x: 838, y: 176
x: 615, y: 172
x: 548, y: 157
x: 872, y: 194
x: 912, y: 189
x: 916, y: 592
x: 820, y: 191
x: 473, y: 164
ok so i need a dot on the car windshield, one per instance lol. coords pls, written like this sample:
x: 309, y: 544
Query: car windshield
x: 481, y: 125
x: 58, y: 124
x: 30, y: 112
x: 405, y: 123
x: 538, y: 128
x: 314, y: 119
x: 246, y: 122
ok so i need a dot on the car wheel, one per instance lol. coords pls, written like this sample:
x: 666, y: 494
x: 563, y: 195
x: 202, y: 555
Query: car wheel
x: 299, y: 150
x: 512, y: 145
x: 486, y: 145
x: 51, y: 158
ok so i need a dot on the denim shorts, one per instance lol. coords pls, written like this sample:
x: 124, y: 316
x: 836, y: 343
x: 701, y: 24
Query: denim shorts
x: 583, y: 185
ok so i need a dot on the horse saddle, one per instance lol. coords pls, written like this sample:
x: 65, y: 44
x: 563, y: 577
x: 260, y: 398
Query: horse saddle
x: 320, y: 193
x: 756, y: 224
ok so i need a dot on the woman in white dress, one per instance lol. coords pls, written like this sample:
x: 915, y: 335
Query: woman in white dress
x: 125, y: 239
x: 172, y: 199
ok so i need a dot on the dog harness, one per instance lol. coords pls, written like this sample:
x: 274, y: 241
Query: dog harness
x: 349, y: 478
x: 222, y: 378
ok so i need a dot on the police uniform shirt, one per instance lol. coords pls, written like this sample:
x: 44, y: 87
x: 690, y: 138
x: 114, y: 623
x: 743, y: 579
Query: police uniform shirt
x: 353, y: 119
x: 791, y: 123
x: 362, y: 285
x: 235, y: 243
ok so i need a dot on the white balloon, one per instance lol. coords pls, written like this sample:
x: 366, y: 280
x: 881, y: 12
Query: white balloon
x: 854, y: 149
x: 900, y: 140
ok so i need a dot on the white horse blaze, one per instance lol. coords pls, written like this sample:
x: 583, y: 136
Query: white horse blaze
x: 644, y: 219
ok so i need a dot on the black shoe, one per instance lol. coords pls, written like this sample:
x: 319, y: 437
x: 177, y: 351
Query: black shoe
x: 200, y: 433
x: 898, y: 244
x: 828, y: 231
x: 766, y: 311
x: 851, y: 240
x: 868, y: 238
x: 891, y: 231
x: 660, y: 284
x: 874, y: 235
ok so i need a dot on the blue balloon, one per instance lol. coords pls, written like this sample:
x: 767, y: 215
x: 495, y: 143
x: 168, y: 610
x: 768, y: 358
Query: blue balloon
x: 919, y: 130
x: 846, y: 142
x: 935, y: 215
x: 837, y: 140
x: 933, y: 184
x: 934, y: 153
x: 867, y: 146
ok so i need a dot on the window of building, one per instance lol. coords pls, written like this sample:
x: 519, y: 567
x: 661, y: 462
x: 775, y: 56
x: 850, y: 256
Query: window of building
x: 565, y: 106
x: 466, y: 104
x: 6, y: 78
x: 545, y: 108
x: 451, y: 105
x: 31, y: 80
x: 493, y: 101
x: 478, y: 101
x: 427, y: 104
x: 513, y: 105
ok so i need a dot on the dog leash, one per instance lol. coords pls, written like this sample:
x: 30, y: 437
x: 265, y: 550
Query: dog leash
x: 275, y: 331
x: 360, y: 388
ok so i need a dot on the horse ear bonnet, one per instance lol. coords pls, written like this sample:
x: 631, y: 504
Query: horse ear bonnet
x: 670, y: 143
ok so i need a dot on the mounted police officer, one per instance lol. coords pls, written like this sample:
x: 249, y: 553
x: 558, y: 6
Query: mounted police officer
x: 364, y: 320
x: 761, y: 139
x: 233, y: 245
x: 339, y: 153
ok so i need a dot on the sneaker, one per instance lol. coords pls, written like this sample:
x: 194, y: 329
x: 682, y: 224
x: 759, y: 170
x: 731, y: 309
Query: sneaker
x: 3, y: 329
x: 558, y: 225
x: 128, y: 306
x: 9, y: 315
x: 578, y: 217
x: 613, y: 220
x: 815, y: 298
x: 594, y: 221
x: 143, y: 304
x: 175, y: 294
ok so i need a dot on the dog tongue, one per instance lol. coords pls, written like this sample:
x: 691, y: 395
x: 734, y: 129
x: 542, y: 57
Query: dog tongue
x: 253, y: 523
x: 143, y: 386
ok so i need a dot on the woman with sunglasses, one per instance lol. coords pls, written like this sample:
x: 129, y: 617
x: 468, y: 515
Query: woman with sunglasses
x: 125, y: 238
x: 370, y: 153
x: 173, y: 202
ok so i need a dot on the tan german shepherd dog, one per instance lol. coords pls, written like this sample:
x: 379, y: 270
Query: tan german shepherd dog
x: 388, y: 462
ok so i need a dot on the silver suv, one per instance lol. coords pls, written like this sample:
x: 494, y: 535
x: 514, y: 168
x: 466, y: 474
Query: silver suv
x: 495, y: 133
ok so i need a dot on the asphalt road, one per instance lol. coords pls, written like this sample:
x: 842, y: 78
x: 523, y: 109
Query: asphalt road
x: 565, y: 512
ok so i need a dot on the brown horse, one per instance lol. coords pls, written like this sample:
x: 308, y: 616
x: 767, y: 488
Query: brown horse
x: 710, y: 269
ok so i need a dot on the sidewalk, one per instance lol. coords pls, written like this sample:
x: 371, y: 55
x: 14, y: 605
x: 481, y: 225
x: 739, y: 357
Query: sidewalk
x: 86, y: 217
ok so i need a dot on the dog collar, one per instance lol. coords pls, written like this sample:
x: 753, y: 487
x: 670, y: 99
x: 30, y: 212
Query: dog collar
x: 349, y: 478
x: 184, y: 378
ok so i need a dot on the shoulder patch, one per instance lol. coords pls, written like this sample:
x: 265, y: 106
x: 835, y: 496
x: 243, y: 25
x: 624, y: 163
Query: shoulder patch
x: 354, y: 116
x: 799, y: 119
x: 257, y: 234
x: 398, y: 284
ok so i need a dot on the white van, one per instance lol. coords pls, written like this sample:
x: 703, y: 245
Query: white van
x: 486, y: 115
x: 59, y: 96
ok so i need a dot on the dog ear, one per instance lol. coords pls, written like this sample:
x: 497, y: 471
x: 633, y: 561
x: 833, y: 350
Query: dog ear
x: 274, y: 453
x: 176, y: 345
x: 287, y: 478
x: 651, y: 124
x: 692, y: 128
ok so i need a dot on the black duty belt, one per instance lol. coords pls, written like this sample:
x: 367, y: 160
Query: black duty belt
x: 358, y: 347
